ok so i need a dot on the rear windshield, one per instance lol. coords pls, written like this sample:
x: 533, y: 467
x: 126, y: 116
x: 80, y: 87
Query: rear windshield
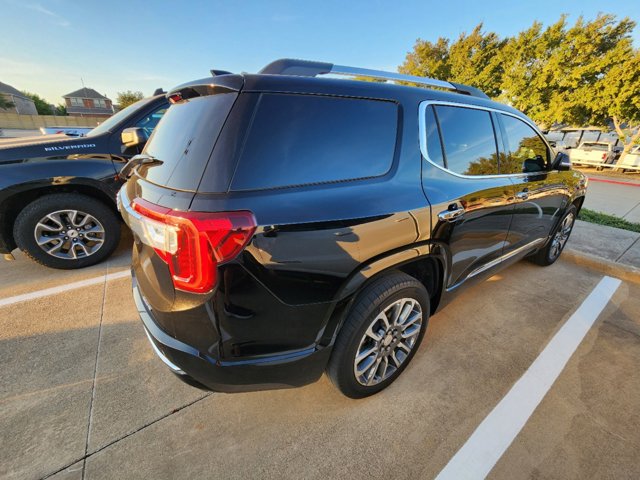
x: 303, y: 139
x: 595, y: 146
x: 184, y: 139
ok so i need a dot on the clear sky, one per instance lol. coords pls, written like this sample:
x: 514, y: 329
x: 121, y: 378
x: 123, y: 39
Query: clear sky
x: 46, y: 46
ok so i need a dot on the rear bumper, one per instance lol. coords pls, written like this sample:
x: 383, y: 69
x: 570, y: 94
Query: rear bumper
x: 291, y: 369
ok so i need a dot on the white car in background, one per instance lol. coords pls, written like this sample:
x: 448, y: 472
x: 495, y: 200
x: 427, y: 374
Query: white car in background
x: 631, y: 161
x: 70, y: 131
x: 593, y: 153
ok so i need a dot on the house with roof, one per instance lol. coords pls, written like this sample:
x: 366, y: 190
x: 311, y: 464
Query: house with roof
x: 22, y: 105
x: 86, y: 102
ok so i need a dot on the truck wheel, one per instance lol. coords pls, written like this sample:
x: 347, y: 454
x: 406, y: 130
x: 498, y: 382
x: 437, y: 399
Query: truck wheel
x: 550, y: 253
x: 67, y: 231
x: 380, y: 335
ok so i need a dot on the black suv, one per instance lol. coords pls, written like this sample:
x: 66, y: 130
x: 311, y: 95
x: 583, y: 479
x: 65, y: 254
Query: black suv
x: 286, y: 225
x: 57, y: 193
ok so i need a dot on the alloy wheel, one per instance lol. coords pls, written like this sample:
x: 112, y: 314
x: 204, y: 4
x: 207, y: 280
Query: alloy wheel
x: 388, y: 341
x: 561, y: 236
x: 69, y: 234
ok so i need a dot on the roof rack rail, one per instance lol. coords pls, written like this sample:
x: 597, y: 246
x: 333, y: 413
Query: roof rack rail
x: 307, y: 68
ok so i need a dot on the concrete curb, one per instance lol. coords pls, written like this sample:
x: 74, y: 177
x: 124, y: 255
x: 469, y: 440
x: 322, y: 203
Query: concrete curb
x: 617, y: 182
x: 609, y: 267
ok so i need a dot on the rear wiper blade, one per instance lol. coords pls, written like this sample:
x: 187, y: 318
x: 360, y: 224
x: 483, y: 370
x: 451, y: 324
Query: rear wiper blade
x: 141, y: 159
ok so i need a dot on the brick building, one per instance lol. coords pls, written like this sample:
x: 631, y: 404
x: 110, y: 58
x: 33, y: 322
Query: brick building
x: 88, y: 102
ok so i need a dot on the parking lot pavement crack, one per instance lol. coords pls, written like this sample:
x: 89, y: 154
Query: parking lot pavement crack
x: 619, y: 327
x: 627, y: 249
x: 631, y: 210
x: 86, y: 456
x: 95, y: 374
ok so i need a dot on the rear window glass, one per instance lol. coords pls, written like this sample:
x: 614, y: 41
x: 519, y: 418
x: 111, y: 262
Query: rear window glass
x: 303, y: 139
x: 184, y: 139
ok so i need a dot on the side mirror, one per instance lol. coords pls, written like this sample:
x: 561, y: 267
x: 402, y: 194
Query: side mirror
x: 134, y: 137
x: 562, y: 162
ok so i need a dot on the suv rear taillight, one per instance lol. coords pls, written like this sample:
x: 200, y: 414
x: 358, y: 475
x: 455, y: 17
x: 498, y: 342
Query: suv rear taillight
x: 193, y: 244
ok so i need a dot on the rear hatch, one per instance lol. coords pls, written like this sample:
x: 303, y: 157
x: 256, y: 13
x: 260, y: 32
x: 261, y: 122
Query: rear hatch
x: 176, y: 251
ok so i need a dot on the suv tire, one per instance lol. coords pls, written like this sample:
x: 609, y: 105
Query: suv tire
x: 557, y: 240
x: 78, y: 239
x: 381, y: 346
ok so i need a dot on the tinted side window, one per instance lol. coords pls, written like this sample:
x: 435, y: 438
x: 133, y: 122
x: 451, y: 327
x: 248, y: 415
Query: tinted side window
x: 434, y: 146
x: 527, y: 152
x: 469, y: 140
x: 302, y: 139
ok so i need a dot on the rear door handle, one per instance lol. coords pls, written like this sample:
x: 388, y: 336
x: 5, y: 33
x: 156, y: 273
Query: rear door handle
x: 451, y: 215
x: 523, y: 195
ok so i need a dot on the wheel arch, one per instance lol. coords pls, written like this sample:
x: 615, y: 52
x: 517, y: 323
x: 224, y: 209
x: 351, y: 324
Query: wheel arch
x: 416, y: 262
x: 13, y: 204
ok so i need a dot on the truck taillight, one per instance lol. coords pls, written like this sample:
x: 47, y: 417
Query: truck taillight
x: 604, y: 156
x: 193, y: 244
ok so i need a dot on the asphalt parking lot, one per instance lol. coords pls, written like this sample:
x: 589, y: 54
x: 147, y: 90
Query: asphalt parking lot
x: 83, y: 396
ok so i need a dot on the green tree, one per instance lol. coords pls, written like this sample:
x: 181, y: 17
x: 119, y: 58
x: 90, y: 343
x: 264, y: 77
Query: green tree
x: 615, y: 96
x: 582, y: 62
x: 472, y: 59
x: 124, y: 99
x: 580, y: 75
x: 42, y: 106
x: 528, y: 82
x: 428, y: 60
x: 4, y: 103
x: 61, y: 110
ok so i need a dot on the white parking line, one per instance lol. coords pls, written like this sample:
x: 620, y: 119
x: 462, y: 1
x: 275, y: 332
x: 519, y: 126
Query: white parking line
x: 63, y: 288
x: 493, y: 436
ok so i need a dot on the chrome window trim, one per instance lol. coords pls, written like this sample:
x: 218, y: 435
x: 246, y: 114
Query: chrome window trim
x: 423, y: 136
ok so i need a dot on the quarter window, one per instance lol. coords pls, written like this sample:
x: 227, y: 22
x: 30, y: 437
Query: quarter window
x: 434, y: 145
x: 469, y: 140
x: 526, y: 151
x: 302, y: 139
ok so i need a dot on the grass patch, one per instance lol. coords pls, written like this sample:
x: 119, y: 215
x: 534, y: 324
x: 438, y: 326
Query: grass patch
x: 608, y: 220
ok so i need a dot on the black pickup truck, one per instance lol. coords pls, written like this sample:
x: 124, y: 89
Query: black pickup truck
x: 57, y: 193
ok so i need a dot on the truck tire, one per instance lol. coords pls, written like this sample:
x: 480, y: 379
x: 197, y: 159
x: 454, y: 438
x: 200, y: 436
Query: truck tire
x: 67, y: 231
x: 380, y: 336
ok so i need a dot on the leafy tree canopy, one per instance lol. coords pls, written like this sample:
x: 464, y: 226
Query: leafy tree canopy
x: 584, y: 74
x: 124, y: 99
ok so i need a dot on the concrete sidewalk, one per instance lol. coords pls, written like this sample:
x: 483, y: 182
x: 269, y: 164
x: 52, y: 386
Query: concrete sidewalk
x: 610, y: 250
